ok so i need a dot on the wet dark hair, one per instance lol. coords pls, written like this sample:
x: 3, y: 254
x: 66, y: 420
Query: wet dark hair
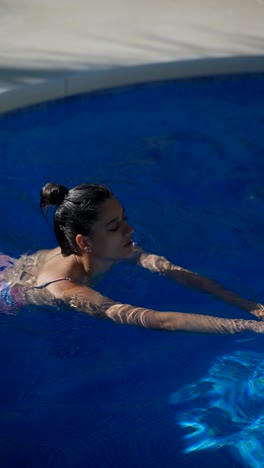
x: 77, y: 210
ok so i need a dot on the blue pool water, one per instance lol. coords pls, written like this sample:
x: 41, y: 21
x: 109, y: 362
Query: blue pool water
x: 186, y: 160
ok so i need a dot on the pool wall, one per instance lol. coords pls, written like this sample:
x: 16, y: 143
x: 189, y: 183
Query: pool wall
x: 54, y: 51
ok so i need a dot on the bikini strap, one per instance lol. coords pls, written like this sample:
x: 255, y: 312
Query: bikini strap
x: 44, y: 285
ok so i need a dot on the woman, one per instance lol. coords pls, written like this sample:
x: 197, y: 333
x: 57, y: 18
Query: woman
x: 93, y: 234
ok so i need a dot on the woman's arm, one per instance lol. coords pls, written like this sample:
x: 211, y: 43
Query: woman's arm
x: 194, y: 280
x: 89, y: 301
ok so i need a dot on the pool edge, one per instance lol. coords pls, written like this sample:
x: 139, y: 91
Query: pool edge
x: 92, y: 80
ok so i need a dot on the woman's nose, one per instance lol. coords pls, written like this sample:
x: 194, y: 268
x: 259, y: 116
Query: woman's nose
x: 129, y: 229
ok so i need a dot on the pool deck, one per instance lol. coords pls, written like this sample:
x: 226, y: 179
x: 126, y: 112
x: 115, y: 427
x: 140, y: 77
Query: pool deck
x: 51, y: 50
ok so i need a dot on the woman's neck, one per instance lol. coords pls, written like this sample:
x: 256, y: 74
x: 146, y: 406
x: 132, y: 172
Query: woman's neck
x: 91, y: 268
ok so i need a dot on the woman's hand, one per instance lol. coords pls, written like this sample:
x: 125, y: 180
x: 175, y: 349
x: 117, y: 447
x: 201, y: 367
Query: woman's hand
x: 258, y: 311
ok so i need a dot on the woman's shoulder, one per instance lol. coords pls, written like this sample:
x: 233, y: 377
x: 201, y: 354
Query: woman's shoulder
x: 55, y: 271
x: 21, y: 271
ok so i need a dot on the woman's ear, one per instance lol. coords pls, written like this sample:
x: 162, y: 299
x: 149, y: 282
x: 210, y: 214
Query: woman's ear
x: 83, y: 243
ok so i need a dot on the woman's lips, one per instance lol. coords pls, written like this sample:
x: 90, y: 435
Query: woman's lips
x: 129, y: 243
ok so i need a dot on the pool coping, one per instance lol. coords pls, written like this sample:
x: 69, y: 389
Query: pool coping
x: 72, y: 84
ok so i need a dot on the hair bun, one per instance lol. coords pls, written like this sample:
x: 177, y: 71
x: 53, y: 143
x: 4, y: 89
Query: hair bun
x: 52, y: 194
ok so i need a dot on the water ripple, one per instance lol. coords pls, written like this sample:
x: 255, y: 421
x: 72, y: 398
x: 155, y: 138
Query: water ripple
x: 226, y: 408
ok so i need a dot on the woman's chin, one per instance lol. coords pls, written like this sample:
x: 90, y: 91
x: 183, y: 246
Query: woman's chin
x: 128, y: 250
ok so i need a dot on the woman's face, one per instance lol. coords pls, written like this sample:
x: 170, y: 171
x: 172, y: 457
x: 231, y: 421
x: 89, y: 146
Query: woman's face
x: 111, y: 236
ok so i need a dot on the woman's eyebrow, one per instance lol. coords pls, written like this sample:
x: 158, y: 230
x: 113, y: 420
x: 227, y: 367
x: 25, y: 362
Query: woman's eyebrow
x: 115, y: 219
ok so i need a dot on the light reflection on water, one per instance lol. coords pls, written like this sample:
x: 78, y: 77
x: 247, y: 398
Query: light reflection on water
x: 226, y: 408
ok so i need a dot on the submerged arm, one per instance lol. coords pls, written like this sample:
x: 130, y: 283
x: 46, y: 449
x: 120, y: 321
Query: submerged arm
x: 89, y: 301
x: 196, y: 281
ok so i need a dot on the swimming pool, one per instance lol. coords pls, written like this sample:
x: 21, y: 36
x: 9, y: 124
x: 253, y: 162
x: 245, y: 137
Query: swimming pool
x: 186, y: 159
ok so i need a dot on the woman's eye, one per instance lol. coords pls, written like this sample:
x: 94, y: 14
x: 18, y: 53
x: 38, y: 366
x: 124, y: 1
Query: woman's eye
x: 114, y: 229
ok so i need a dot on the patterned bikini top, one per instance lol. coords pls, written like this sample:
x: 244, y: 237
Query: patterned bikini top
x: 11, y: 298
x: 44, y: 285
